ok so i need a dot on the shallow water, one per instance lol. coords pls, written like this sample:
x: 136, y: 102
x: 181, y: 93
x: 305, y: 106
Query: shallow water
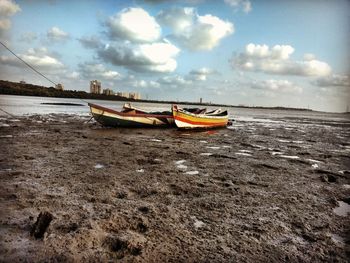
x: 27, y: 105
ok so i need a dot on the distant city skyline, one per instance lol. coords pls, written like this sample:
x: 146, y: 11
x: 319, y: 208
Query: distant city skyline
x: 261, y: 53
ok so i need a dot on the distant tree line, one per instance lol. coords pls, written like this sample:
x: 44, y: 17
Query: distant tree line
x: 25, y: 89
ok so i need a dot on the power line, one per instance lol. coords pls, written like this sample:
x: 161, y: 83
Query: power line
x: 27, y: 64
x: 13, y: 116
x: 30, y: 66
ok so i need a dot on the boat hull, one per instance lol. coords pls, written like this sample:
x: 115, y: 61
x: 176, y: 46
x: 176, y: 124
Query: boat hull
x: 186, y: 120
x: 111, y: 118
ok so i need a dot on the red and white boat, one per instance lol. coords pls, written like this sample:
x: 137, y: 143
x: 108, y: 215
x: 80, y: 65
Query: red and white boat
x: 199, y: 118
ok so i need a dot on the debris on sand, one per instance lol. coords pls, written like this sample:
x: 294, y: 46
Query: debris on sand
x: 42, y: 223
x: 343, y: 209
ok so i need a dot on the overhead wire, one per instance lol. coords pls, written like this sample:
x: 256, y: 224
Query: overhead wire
x: 35, y: 70
x: 30, y: 66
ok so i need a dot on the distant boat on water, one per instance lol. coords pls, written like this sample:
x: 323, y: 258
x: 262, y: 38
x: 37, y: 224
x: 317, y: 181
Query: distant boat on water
x: 130, y: 116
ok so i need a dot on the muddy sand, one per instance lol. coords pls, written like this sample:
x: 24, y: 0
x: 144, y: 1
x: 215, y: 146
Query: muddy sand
x: 274, y: 191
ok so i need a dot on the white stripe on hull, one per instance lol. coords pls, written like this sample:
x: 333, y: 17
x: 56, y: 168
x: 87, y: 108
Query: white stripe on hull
x: 181, y: 124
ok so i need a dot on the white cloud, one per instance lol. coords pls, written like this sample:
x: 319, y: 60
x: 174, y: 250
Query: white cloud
x: 263, y: 51
x: 244, y: 4
x: 98, y: 71
x: 143, y: 84
x: 276, y: 60
x: 28, y: 36
x: 90, y: 41
x: 202, y: 73
x: 193, y: 31
x: 333, y: 80
x: 155, y: 57
x: 309, y: 56
x: 5, y: 24
x: 277, y: 86
x: 56, y: 34
x: 174, y: 81
x: 134, y: 24
x: 38, y: 58
x: 7, y: 9
x: 73, y: 75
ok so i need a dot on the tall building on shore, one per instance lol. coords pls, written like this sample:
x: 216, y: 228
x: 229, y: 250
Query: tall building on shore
x: 108, y: 92
x: 59, y: 86
x: 95, y: 87
x: 129, y: 95
x: 134, y: 95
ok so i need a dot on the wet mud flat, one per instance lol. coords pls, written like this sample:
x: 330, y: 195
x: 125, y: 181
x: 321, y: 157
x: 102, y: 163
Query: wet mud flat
x: 266, y: 191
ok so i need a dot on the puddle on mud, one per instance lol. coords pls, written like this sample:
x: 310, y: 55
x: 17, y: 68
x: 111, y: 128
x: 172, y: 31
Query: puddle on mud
x: 298, y: 142
x: 245, y: 151
x: 289, y: 156
x: 337, y: 239
x: 205, y: 154
x: 244, y: 154
x: 99, y: 166
x: 314, y: 166
x: 313, y: 161
x: 192, y: 172
x: 181, y: 166
x: 213, y: 147
x: 276, y: 153
x: 343, y: 209
x: 197, y: 223
x: 6, y: 136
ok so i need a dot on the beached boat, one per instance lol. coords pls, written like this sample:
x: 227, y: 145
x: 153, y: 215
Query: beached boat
x: 199, y: 118
x: 130, y: 117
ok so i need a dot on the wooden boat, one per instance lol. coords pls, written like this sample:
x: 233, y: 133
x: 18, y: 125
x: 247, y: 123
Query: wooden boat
x: 199, y: 118
x: 130, y: 117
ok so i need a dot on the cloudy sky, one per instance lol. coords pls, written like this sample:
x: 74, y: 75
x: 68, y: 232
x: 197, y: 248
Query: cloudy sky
x: 269, y: 53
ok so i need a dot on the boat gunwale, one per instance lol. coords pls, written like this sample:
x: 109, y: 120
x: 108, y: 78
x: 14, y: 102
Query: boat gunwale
x: 201, y: 116
x: 145, y: 115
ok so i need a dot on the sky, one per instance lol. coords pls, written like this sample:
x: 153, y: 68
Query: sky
x: 289, y: 53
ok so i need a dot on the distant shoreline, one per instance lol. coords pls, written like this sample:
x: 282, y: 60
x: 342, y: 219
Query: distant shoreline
x: 26, y: 89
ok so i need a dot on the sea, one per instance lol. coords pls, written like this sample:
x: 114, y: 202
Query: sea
x: 29, y: 105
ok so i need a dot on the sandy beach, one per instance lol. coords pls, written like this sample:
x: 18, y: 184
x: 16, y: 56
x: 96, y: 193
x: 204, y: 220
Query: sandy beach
x: 263, y: 191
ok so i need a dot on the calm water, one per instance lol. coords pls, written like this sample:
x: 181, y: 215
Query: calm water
x: 25, y: 105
